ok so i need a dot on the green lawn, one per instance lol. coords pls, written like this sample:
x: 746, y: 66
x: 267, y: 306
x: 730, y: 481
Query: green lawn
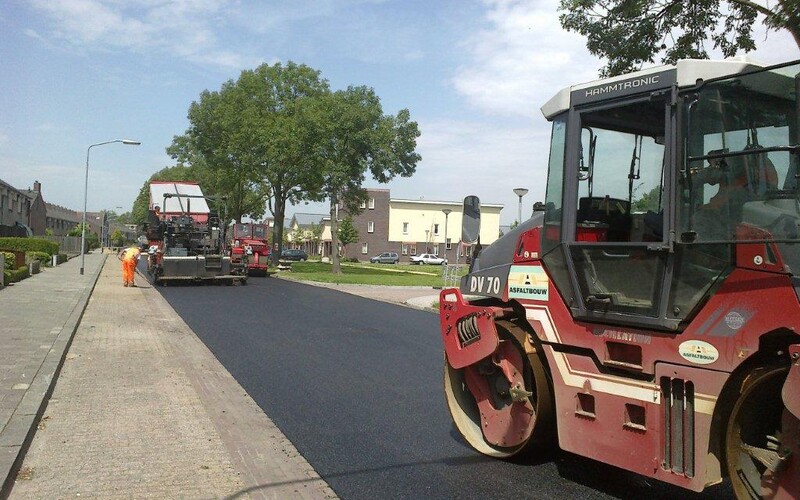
x: 367, y: 274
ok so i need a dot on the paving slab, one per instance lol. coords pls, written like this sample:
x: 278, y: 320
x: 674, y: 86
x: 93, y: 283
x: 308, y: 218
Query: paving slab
x: 142, y: 409
x: 38, y: 317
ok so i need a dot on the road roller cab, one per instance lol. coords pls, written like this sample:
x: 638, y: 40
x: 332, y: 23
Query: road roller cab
x: 648, y: 314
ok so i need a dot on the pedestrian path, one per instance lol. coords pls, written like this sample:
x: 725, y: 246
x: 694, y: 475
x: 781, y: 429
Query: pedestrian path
x: 38, y: 317
x: 143, y: 409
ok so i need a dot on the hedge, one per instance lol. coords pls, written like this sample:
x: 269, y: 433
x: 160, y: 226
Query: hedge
x: 43, y: 257
x: 14, y: 276
x: 29, y: 245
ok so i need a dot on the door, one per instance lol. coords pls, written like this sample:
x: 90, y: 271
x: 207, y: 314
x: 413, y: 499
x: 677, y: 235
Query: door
x: 615, y: 236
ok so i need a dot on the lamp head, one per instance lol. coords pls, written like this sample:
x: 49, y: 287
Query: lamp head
x: 520, y: 192
x: 130, y: 142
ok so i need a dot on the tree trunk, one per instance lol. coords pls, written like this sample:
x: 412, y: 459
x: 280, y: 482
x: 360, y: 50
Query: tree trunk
x: 336, y: 268
x: 277, y: 228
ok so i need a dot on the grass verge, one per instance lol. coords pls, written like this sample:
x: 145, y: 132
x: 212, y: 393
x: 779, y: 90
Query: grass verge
x: 365, y: 274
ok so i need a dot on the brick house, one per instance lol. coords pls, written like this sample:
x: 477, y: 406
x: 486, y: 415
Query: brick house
x: 15, y: 206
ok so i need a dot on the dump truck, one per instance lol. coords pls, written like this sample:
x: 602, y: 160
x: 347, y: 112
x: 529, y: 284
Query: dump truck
x: 186, y: 238
x: 647, y: 315
x: 249, y: 247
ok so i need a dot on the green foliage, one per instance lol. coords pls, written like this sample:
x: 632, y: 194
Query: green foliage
x: 249, y: 143
x: 354, y: 138
x: 630, y: 33
x: 9, y: 262
x: 48, y: 232
x: 42, y: 257
x: 366, y: 274
x: 347, y: 234
x: 15, y: 275
x: 651, y: 200
x: 29, y: 245
x: 117, y: 238
x: 92, y: 239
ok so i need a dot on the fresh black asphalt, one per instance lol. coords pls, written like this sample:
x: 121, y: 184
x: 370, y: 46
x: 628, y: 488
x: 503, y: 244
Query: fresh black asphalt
x: 356, y: 385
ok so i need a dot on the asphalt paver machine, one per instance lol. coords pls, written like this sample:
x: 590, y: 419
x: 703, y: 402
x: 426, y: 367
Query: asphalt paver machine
x: 186, y: 238
x: 648, y: 314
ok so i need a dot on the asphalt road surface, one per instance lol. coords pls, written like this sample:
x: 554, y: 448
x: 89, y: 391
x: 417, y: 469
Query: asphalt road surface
x: 356, y: 385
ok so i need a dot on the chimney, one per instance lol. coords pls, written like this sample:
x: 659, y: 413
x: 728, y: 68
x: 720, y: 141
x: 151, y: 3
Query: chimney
x: 37, y: 186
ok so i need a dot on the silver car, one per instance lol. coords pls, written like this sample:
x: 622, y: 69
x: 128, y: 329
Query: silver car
x: 386, y: 258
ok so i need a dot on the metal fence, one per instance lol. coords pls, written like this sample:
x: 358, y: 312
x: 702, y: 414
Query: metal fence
x: 70, y: 245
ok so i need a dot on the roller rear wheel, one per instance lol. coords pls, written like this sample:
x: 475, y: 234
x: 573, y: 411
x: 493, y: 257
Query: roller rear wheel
x: 763, y: 439
x: 502, y: 406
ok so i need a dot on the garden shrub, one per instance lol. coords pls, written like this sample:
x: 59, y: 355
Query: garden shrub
x: 10, y: 258
x: 42, y: 257
x: 14, y: 276
x: 29, y: 245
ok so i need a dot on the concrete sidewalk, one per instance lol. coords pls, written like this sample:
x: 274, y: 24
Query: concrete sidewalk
x: 143, y: 409
x: 38, y: 317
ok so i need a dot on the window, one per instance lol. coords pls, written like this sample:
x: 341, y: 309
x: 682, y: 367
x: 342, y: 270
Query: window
x: 404, y: 249
x: 19, y: 205
x: 363, y: 204
x: 364, y: 248
x: 372, y: 203
x: 436, y: 229
x: 405, y: 227
x: 449, y: 243
x: 2, y: 201
x: 436, y: 250
x: 413, y: 249
x: 370, y: 227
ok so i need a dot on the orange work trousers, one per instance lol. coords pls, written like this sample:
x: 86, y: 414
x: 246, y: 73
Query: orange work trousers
x: 128, y: 271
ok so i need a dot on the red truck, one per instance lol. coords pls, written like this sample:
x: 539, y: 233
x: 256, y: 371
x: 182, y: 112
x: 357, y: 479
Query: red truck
x: 250, y: 247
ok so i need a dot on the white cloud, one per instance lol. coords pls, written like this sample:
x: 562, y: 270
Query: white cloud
x: 3, y: 138
x: 32, y: 33
x: 185, y: 29
x: 524, y: 57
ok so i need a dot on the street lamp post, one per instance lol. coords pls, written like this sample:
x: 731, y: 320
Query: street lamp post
x: 446, y: 212
x: 86, y: 193
x: 520, y: 192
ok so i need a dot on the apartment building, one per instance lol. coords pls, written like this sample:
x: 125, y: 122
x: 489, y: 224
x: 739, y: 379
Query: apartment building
x: 410, y: 227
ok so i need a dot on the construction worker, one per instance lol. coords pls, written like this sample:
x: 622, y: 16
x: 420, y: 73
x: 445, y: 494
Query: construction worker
x: 129, y: 257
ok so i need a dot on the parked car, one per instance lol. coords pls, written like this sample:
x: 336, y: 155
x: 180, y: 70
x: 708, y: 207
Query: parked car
x: 428, y: 258
x: 291, y: 254
x: 386, y: 258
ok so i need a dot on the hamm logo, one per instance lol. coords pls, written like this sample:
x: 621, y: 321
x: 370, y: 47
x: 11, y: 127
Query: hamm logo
x: 698, y: 352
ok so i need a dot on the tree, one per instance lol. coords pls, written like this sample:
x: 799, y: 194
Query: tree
x: 251, y: 144
x: 630, y: 33
x: 347, y: 234
x: 117, y: 238
x: 354, y: 137
x: 649, y: 201
x: 92, y: 239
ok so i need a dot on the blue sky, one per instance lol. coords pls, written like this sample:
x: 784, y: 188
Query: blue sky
x: 472, y: 73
